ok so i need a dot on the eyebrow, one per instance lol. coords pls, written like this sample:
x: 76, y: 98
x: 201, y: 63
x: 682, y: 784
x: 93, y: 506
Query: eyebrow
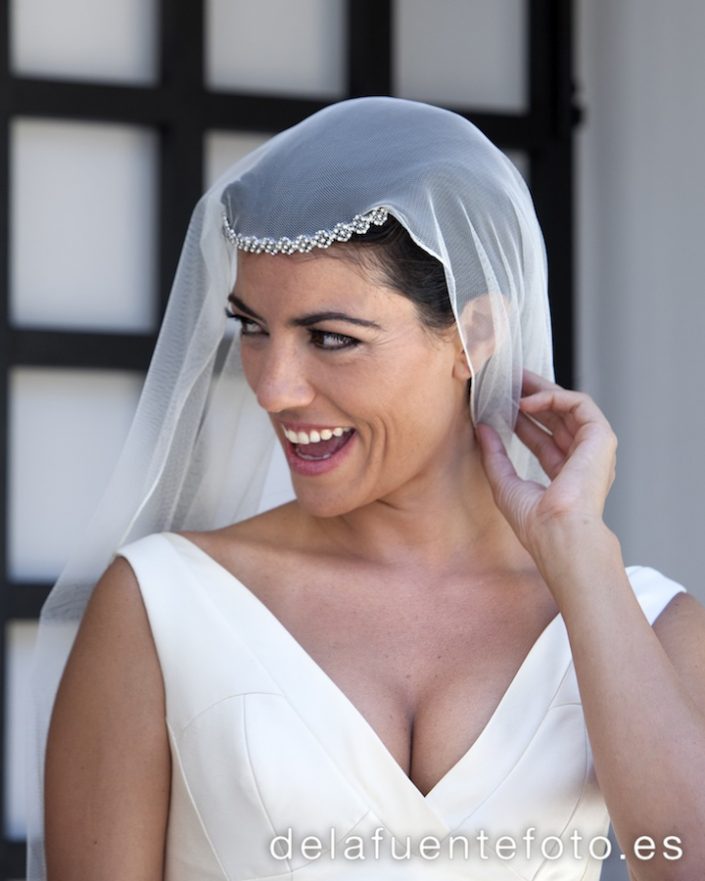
x: 309, y: 319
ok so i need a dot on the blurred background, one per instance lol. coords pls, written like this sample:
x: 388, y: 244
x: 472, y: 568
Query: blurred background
x: 114, y: 116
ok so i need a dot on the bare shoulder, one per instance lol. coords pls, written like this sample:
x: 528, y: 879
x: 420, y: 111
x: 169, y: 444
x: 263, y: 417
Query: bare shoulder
x: 117, y: 600
x: 115, y: 621
x: 681, y: 630
x: 682, y: 618
x: 108, y: 764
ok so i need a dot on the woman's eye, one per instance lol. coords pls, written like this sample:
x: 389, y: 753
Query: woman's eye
x: 325, y: 339
x: 248, y: 327
x: 322, y: 339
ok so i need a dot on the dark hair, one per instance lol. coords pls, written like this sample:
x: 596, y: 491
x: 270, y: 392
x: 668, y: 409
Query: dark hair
x: 407, y: 268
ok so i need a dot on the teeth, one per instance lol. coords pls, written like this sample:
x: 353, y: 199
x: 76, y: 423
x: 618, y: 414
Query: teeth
x: 313, y: 437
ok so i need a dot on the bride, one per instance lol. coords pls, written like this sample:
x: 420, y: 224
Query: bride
x: 436, y: 636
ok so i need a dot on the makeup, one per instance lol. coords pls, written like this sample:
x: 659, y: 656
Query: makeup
x: 313, y: 459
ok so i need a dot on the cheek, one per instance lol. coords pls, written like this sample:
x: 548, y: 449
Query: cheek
x: 251, y: 360
x: 413, y: 408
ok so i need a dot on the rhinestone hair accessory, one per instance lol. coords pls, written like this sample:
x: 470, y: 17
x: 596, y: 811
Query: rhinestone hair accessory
x: 324, y: 238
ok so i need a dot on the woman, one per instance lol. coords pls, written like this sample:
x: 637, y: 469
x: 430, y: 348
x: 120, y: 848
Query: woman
x: 436, y: 639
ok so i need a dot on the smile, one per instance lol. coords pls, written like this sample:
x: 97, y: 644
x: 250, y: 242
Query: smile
x: 317, y: 451
x: 313, y: 436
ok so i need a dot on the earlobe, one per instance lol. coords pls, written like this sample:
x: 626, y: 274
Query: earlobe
x: 461, y: 367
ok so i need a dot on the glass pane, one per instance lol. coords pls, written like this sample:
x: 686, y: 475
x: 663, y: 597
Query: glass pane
x: 467, y: 53
x: 275, y: 46
x: 67, y: 428
x: 82, y: 225
x: 85, y: 39
x: 224, y: 148
x: 20, y: 642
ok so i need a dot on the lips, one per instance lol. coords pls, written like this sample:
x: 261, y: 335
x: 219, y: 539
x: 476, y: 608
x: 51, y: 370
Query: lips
x: 320, y: 456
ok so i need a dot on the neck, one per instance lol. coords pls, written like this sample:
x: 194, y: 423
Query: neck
x: 444, y: 520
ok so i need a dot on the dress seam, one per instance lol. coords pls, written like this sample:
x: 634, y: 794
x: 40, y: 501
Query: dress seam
x: 227, y: 697
x: 177, y: 756
x: 289, y: 871
x: 581, y: 797
x: 518, y: 759
x: 318, y: 741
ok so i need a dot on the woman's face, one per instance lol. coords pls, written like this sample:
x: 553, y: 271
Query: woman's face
x: 364, y: 400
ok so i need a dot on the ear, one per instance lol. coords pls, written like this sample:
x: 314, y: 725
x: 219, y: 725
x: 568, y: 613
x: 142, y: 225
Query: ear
x: 461, y: 368
x: 477, y: 327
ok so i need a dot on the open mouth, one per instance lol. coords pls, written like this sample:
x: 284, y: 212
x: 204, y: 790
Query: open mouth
x: 318, y: 450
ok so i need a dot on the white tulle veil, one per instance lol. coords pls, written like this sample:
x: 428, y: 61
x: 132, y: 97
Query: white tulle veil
x: 200, y: 448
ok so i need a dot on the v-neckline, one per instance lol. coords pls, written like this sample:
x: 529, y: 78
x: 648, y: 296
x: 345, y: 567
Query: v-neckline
x: 465, y: 760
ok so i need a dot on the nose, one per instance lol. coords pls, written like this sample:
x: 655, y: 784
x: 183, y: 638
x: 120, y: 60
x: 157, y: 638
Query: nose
x: 279, y: 378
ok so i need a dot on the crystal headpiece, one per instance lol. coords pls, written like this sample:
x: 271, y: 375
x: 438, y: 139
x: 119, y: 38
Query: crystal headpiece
x: 324, y: 238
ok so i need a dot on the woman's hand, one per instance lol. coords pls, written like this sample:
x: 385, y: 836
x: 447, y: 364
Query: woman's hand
x: 576, y: 447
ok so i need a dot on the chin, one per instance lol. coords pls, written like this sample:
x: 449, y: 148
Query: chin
x: 332, y: 501
x: 322, y: 504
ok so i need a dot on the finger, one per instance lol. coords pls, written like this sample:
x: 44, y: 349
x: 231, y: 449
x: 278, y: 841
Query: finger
x: 534, y: 382
x: 574, y: 408
x: 498, y: 466
x: 595, y: 450
x: 511, y: 494
x: 542, y: 445
x: 552, y: 422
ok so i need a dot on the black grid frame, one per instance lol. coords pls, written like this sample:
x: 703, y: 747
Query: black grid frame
x: 181, y: 110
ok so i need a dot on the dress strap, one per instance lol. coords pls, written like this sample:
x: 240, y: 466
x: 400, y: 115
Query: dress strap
x: 653, y: 589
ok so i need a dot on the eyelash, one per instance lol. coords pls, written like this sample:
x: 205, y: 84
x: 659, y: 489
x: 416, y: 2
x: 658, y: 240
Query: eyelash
x: 344, y: 341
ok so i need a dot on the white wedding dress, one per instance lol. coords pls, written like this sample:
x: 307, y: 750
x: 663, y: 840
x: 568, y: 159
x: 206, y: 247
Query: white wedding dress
x: 264, y: 744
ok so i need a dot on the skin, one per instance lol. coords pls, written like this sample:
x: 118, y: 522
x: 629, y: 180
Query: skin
x: 474, y: 563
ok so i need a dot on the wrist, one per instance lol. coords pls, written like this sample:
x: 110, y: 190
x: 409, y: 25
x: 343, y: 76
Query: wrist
x: 565, y: 544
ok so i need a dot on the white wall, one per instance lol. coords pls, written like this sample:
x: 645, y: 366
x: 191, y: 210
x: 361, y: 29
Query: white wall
x: 641, y: 234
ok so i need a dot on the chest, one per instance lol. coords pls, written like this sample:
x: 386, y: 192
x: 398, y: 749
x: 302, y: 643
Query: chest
x: 426, y: 669
x: 263, y: 733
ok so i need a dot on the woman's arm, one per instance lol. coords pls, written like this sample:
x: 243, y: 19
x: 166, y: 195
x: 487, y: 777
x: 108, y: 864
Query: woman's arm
x: 643, y: 696
x: 642, y: 688
x: 108, y: 764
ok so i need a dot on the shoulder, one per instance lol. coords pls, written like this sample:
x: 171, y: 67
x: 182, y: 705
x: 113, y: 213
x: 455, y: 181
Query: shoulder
x: 108, y: 724
x: 653, y: 589
x: 680, y: 629
x: 677, y: 617
x: 115, y: 617
x: 681, y: 625
x: 112, y: 671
